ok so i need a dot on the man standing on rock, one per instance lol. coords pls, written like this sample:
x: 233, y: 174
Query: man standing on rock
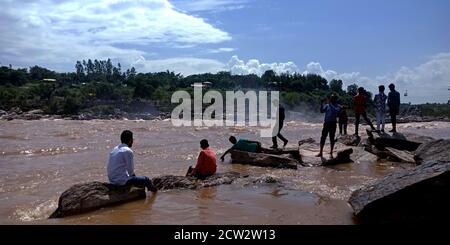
x: 380, y: 106
x: 331, y: 109
x: 359, y: 103
x: 394, y: 106
x: 121, y: 166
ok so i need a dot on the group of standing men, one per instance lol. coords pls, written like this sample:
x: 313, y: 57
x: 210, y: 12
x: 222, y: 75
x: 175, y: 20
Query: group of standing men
x: 333, y: 110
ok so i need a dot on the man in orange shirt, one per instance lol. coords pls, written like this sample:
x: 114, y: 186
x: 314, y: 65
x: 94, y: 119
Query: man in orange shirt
x: 359, y: 103
x: 206, y: 162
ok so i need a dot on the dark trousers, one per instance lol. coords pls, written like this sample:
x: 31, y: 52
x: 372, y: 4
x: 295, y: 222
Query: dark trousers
x: 197, y: 175
x: 357, y: 118
x: 140, y: 181
x: 343, y: 127
x: 329, y: 128
x: 394, y: 121
x: 274, y: 139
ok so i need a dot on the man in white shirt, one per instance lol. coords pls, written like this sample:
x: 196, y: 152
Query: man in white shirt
x: 121, y: 166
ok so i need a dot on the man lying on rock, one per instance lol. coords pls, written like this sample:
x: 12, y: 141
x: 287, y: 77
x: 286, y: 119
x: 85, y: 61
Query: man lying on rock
x: 121, y: 166
x: 206, y: 162
x: 243, y: 145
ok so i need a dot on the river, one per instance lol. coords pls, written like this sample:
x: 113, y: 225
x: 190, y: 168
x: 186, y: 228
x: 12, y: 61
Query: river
x: 41, y: 159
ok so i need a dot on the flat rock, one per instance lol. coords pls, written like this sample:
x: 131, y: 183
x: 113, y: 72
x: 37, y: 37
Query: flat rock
x: 290, y: 152
x: 416, y: 195
x: 342, y: 157
x: 90, y: 196
x: 438, y: 150
x: 169, y: 182
x: 306, y: 141
x: 266, y: 179
x: 349, y: 140
x: 397, y: 141
x: 263, y: 159
x: 399, y: 156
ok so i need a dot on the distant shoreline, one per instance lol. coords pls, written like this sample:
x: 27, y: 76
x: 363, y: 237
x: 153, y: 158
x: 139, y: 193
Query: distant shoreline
x: 39, y: 115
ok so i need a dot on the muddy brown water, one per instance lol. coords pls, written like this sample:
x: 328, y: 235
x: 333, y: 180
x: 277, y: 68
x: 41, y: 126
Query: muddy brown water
x: 41, y: 159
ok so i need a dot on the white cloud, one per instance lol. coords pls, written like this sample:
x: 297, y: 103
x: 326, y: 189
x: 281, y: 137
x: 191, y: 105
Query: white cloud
x: 253, y: 66
x: 316, y: 68
x: 54, y: 33
x: 221, y: 50
x: 428, y: 82
x: 210, y: 5
x: 185, y: 66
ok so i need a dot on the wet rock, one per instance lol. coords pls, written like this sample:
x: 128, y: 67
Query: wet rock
x: 349, y: 140
x: 341, y: 157
x: 15, y: 111
x: 180, y: 182
x: 266, y: 179
x: 306, y: 141
x: 379, y: 153
x: 399, y: 156
x: 263, y: 160
x: 86, y: 197
x: 38, y: 111
x: 397, y: 141
x: 438, y: 150
x: 32, y: 116
x: 416, y: 195
x: 289, y: 152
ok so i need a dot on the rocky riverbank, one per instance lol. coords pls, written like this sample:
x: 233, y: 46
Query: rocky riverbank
x: 17, y: 114
x: 415, y: 195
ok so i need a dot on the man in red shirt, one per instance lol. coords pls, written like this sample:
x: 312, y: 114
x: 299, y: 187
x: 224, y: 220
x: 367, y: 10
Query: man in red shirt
x: 206, y: 162
x: 359, y: 103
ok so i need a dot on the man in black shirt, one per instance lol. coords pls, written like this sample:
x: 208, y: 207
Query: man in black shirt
x: 281, y: 117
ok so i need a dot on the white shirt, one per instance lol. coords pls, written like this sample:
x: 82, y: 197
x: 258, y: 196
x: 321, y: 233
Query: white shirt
x: 120, y: 165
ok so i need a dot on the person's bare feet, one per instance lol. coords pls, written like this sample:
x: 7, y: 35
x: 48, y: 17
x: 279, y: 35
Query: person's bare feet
x: 285, y: 143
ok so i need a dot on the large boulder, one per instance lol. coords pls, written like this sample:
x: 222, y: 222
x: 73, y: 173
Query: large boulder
x: 438, y: 150
x: 291, y: 152
x: 94, y: 195
x: 263, y: 159
x: 397, y: 141
x: 180, y: 182
x: 416, y: 195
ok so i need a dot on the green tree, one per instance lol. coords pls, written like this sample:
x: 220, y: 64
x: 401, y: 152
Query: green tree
x: 352, y: 90
x: 336, y: 86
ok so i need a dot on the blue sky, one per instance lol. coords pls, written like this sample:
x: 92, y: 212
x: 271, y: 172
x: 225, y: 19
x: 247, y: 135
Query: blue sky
x: 362, y: 41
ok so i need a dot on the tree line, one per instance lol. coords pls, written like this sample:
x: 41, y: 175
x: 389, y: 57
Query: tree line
x: 101, y: 80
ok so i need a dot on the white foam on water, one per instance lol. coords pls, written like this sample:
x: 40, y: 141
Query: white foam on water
x: 39, y: 212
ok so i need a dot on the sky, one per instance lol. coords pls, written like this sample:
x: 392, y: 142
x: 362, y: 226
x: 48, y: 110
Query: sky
x: 367, y: 42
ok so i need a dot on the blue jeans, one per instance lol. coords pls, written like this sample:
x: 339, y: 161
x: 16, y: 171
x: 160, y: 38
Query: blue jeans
x: 141, y: 181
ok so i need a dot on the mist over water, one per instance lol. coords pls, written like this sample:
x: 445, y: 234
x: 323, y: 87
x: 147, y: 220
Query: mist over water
x: 41, y: 159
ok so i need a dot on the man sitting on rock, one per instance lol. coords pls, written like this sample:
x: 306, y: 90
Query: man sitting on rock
x: 243, y: 145
x: 206, y: 162
x: 121, y: 166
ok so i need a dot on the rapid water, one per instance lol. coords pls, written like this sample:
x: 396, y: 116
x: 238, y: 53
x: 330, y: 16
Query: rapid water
x: 41, y: 159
